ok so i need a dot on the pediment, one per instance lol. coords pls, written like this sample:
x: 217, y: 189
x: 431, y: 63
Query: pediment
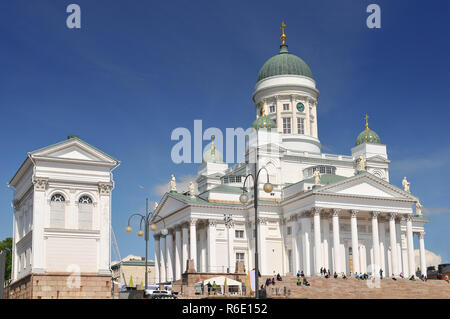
x: 74, y: 149
x: 378, y: 158
x: 366, y: 185
x: 167, y: 206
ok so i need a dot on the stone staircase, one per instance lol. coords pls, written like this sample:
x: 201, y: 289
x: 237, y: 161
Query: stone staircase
x: 352, y: 288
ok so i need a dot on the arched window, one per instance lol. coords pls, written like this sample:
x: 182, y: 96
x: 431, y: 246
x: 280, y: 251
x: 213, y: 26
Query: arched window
x: 57, y: 211
x: 85, y: 211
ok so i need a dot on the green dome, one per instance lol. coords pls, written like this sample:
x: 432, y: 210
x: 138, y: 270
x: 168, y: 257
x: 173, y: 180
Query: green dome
x: 263, y: 122
x: 284, y: 63
x: 212, y: 156
x: 368, y: 136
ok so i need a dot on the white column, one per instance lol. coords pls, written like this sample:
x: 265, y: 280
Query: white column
x: 193, y: 241
x: 423, y: 263
x: 203, y: 244
x: 306, y: 227
x: 185, y: 251
x: 162, y: 252
x: 376, y: 245
x: 355, y: 248
x: 295, y: 254
x: 393, y: 242
x: 178, y: 253
x: 103, y: 221
x: 404, y: 254
x: 336, y: 242
x: 410, y: 243
x: 169, y: 256
x: 317, y: 242
x: 157, y: 259
x: 398, y: 233
x: 39, y: 214
x: 326, y: 241
x: 211, y: 236
x: 382, y: 234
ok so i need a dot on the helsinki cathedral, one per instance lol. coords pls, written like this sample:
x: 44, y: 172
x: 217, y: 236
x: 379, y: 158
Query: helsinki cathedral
x: 314, y: 209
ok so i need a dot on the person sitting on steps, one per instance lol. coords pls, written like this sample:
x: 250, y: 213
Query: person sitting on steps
x: 279, y: 277
x: 299, y: 282
x: 335, y: 275
x: 305, y: 282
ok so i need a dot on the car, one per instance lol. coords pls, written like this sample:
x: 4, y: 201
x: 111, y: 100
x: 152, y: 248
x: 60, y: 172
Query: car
x: 159, y: 294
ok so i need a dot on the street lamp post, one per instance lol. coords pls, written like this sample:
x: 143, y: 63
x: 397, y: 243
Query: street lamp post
x: 228, y: 222
x: 147, y: 227
x: 268, y: 187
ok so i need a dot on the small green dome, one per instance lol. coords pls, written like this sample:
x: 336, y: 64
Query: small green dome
x: 368, y: 136
x: 263, y: 122
x: 284, y: 63
x: 212, y: 156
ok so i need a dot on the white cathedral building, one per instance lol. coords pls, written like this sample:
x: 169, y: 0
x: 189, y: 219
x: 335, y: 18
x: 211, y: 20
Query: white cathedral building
x: 325, y: 210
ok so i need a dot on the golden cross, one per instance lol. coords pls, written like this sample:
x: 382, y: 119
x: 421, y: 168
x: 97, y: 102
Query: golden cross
x: 282, y: 27
x: 367, y: 121
x: 283, y: 36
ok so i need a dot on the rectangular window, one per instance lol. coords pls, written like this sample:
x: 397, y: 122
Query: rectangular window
x: 240, y: 257
x: 239, y: 234
x: 272, y: 109
x: 57, y: 212
x: 300, y: 125
x: 289, y: 230
x: 285, y: 107
x: 286, y: 125
x: 85, y: 216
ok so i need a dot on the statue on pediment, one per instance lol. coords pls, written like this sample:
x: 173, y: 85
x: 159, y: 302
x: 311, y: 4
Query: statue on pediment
x: 418, y: 209
x: 191, y: 190
x: 173, y: 184
x: 361, y: 163
x: 316, y: 177
x: 406, y: 185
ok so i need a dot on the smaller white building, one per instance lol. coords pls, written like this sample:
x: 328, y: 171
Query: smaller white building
x: 62, y: 211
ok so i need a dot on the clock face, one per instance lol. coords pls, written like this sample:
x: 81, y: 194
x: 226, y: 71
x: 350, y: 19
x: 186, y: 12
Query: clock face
x: 300, y: 107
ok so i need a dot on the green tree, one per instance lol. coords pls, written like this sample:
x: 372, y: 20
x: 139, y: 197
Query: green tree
x: 6, y: 245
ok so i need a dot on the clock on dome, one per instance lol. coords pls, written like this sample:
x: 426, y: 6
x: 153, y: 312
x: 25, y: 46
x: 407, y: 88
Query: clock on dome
x: 300, y: 107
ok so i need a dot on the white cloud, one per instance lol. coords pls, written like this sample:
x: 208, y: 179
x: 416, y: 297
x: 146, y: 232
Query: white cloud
x: 419, y: 162
x: 435, y: 211
x: 182, y: 185
x: 431, y: 258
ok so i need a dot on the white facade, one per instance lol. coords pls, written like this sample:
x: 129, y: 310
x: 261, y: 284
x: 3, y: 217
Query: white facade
x: 353, y: 221
x: 62, y: 210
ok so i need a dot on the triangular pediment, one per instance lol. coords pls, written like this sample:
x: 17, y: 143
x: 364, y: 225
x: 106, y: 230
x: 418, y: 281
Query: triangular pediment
x: 168, y: 205
x: 73, y: 149
x: 378, y: 158
x: 366, y: 185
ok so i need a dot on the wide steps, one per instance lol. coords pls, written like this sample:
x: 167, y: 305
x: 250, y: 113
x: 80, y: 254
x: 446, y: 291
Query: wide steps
x: 354, y: 288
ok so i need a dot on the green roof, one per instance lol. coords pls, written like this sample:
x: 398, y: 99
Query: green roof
x: 284, y: 63
x: 368, y: 136
x: 326, y: 179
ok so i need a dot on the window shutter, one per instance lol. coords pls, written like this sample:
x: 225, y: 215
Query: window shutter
x: 57, y: 218
x: 85, y: 216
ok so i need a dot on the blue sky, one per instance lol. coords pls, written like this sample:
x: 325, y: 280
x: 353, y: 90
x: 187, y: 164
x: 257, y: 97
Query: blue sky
x: 138, y: 69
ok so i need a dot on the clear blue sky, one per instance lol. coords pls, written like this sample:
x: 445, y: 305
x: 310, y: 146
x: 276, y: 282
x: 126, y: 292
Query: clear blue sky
x: 138, y: 69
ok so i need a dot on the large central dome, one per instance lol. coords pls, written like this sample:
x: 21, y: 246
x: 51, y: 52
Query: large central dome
x: 284, y: 63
